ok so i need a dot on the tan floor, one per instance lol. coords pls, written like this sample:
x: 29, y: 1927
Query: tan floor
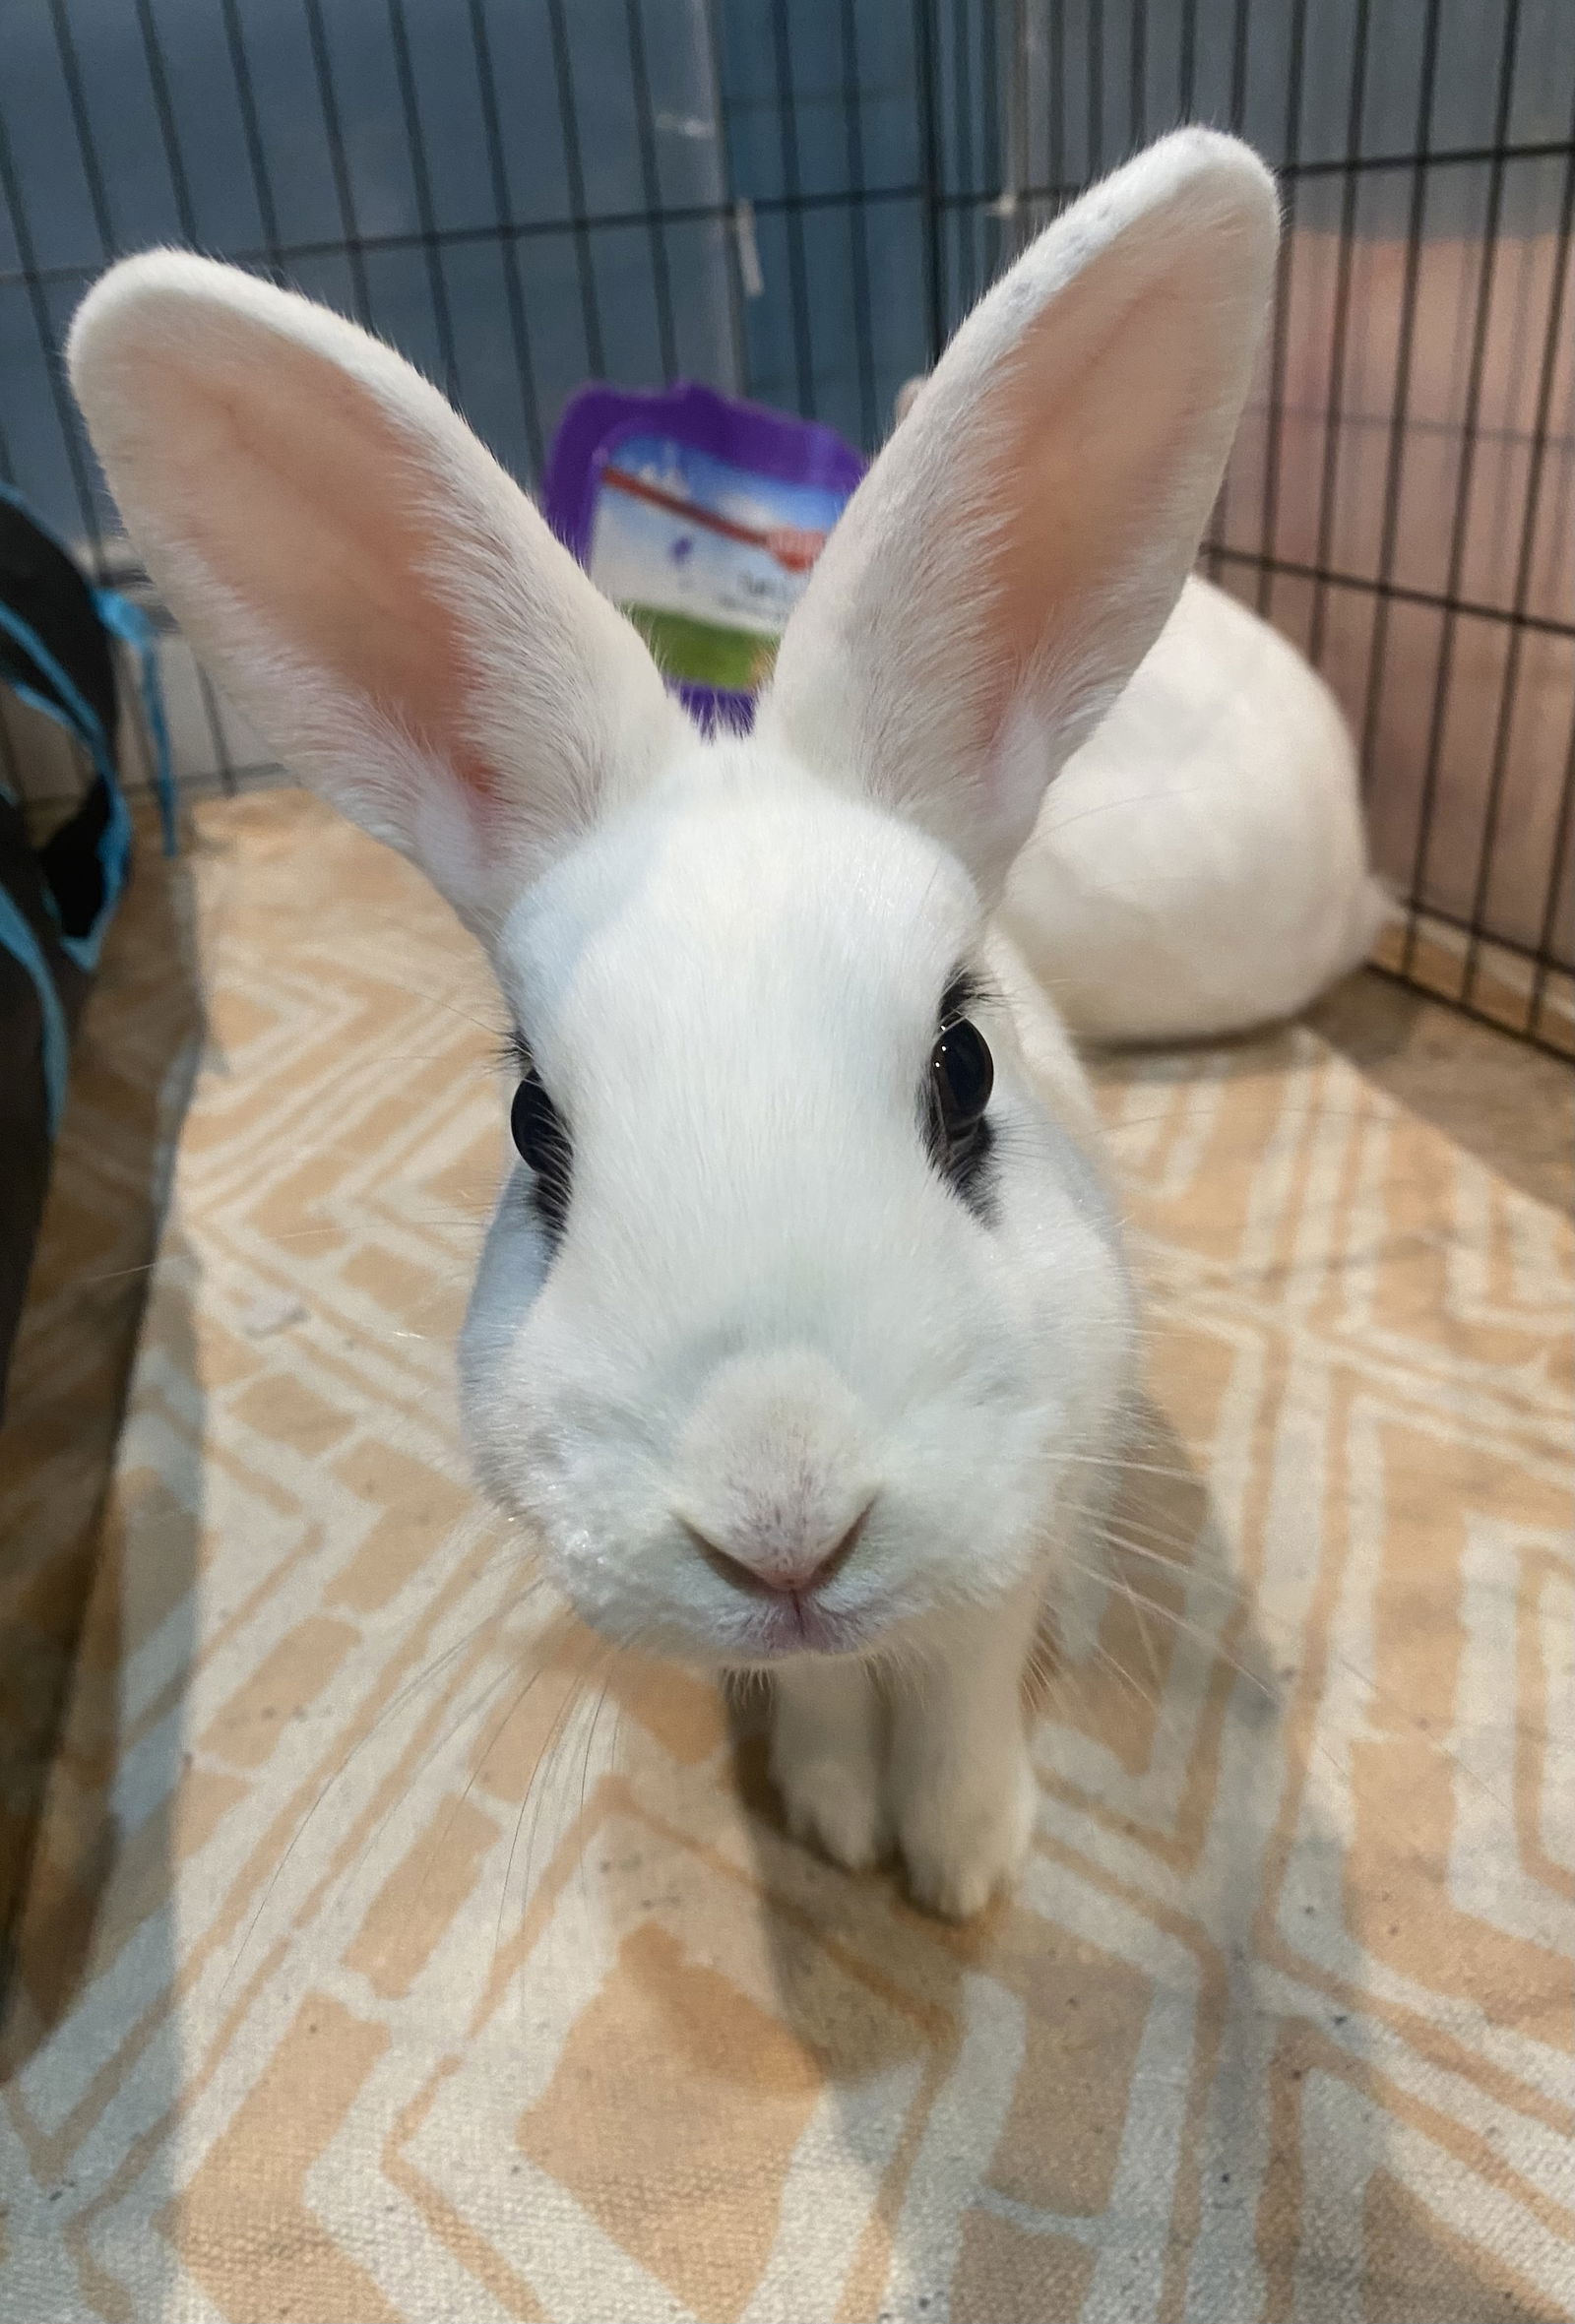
x: 388, y: 1952
x: 1512, y: 1107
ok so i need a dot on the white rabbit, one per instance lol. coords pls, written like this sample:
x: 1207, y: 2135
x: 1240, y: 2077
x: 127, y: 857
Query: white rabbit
x: 1222, y: 777
x: 798, y: 1340
x: 1201, y: 865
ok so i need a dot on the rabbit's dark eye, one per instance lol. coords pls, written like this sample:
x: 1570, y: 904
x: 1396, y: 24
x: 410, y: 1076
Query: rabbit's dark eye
x: 543, y: 1143
x: 964, y: 1075
x: 961, y: 1075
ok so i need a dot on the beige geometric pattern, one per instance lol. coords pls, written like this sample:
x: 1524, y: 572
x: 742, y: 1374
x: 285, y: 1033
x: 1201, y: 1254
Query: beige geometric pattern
x: 394, y: 1951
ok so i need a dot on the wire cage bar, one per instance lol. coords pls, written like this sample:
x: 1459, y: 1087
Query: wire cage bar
x: 799, y: 202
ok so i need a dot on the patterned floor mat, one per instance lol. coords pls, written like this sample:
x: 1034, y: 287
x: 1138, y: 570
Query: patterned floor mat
x: 389, y: 1952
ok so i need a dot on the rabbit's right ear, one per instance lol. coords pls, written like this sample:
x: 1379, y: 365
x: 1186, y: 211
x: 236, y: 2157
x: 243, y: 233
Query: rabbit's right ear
x: 362, y: 577
x: 1017, y: 547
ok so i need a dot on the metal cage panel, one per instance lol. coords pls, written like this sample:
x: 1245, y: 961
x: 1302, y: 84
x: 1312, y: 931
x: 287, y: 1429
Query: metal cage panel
x: 797, y: 202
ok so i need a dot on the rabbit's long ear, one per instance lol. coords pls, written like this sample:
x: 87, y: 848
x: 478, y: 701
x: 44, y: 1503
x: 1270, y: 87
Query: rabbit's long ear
x: 360, y: 576
x: 1019, y: 543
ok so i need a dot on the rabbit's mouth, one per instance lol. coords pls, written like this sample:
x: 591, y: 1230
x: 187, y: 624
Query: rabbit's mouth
x: 796, y: 1624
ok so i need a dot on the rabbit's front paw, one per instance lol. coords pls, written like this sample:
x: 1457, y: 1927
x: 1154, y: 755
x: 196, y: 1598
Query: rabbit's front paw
x: 833, y: 1803
x: 826, y: 1759
x: 960, y: 1848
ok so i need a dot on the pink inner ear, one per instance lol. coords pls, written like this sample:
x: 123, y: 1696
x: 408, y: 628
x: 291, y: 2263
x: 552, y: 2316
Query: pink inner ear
x: 309, y: 500
x: 1093, y: 430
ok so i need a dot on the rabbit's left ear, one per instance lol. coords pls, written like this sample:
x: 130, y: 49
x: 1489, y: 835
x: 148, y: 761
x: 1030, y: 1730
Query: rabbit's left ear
x: 1017, y: 547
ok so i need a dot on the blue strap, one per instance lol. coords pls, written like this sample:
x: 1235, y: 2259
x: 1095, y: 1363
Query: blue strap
x: 69, y: 708
x: 128, y: 622
x: 78, y: 717
x: 20, y: 940
x: 75, y: 709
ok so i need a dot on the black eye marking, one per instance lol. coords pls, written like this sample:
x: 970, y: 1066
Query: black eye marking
x: 961, y: 1078
x: 538, y: 1131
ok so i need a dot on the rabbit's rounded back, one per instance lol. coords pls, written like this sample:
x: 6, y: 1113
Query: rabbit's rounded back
x: 1201, y: 864
x: 782, y: 1284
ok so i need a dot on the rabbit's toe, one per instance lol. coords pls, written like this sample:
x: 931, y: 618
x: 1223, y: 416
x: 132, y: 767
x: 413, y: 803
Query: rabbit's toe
x: 961, y: 1849
x: 835, y: 1804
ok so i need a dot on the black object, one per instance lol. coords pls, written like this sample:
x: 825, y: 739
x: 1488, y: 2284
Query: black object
x: 56, y: 897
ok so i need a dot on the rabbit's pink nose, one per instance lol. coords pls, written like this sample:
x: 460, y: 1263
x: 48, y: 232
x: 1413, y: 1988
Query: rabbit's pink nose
x: 778, y: 1559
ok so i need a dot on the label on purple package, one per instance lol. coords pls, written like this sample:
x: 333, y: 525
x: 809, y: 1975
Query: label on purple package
x: 707, y: 560
x: 701, y: 516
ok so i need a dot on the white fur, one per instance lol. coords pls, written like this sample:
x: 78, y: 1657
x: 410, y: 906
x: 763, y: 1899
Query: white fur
x: 1201, y: 864
x: 768, y: 1318
x: 363, y: 573
x: 1017, y: 547
x: 1224, y: 771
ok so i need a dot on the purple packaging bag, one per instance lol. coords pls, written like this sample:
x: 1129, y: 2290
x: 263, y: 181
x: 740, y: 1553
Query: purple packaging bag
x: 701, y: 517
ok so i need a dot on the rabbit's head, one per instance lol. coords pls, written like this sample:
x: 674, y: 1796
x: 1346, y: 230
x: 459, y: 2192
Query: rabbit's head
x: 800, y: 1305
